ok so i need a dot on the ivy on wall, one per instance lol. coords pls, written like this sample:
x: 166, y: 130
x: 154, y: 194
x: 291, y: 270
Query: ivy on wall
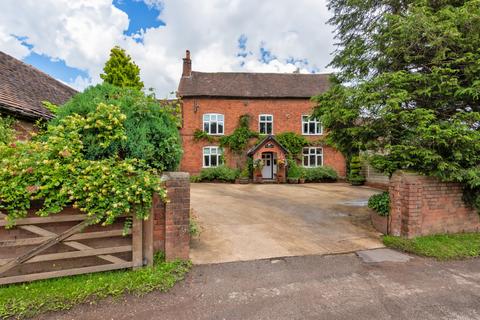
x: 293, y: 142
x: 200, y: 135
x: 239, y: 139
x: 237, y: 142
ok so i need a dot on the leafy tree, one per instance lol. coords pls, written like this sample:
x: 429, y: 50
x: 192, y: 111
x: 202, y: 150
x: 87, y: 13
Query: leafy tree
x: 52, y: 168
x: 121, y: 71
x: 150, y: 127
x: 408, y: 86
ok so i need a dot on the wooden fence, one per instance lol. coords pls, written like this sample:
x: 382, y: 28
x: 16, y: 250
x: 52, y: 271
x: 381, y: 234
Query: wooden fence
x: 65, y: 244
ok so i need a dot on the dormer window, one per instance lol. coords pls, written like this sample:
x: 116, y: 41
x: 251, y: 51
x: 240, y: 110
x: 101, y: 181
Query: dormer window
x: 213, y: 123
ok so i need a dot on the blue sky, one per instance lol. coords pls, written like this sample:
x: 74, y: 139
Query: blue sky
x: 140, y: 15
x: 71, y: 40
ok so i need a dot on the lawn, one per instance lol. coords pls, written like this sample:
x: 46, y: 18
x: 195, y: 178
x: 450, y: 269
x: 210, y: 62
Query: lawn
x: 442, y: 247
x: 30, y: 299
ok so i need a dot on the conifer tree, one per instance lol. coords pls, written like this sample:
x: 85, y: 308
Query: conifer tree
x: 121, y: 71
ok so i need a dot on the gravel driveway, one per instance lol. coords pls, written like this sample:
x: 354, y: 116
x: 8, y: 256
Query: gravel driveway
x: 248, y: 222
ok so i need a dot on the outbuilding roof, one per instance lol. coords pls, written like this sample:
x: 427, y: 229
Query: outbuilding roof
x: 252, y: 85
x: 23, y: 88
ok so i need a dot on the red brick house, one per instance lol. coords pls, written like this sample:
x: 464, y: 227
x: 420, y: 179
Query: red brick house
x: 276, y: 102
x: 22, y: 90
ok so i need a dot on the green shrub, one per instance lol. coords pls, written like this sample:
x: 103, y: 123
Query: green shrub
x: 250, y: 166
x: 245, y: 173
x: 355, y: 177
x: 53, y: 169
x: 294, y: 171
x: 194, y: 179
x: 320, y: 174
x: 220, y: 173
x: 6, y: 131
x: 150, y: 128
x: 293, y: 142
x: 380, y: 203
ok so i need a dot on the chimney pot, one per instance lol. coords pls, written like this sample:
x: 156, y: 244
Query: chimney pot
x: 187, y: 65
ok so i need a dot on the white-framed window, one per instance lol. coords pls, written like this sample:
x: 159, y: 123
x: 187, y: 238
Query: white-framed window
x: 265, y: 124
x: 212, y: 157
x: 311, y: 126
x: 313, y: 157
x: 213, y: 123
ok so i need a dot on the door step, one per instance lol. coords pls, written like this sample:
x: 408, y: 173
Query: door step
x: 269, y: 181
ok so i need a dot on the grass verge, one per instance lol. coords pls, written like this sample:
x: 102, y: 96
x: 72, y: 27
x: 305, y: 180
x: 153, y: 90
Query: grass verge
x: 30, y: 299
x: 441, y: 247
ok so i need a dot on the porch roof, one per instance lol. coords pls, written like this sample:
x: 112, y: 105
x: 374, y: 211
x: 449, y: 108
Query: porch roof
x: 267, y: 139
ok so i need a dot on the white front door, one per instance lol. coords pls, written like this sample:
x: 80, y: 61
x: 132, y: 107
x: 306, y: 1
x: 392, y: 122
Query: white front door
x: 267, y: 171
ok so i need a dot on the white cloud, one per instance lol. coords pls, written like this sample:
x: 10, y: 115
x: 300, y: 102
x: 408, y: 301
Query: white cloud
x: 12, y: 45
x: 81, y: 83
x: 82, y: 33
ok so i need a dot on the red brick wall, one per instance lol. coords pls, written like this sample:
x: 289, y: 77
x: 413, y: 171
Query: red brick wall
x: 286, y: 117
x: 172, y: 219
x: 424, y: 205
x: 23, y: 129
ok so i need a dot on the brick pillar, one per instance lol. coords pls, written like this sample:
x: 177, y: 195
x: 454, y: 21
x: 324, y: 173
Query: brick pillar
x: 396, y: 203
x: 406, y: 193
x: 172, y: 219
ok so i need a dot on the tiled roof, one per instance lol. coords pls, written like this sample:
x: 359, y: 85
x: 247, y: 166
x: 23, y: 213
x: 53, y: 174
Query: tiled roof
x: 253, y: 85
x: 23, y: 88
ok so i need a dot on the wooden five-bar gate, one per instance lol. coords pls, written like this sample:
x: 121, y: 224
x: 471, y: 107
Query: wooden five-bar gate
x: 66, y: 244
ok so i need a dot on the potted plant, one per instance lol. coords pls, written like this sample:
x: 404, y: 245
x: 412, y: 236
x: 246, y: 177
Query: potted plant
x: 355, y: 177
x: 244, y: 177
x: 257, y: 170
x: 303, y: 173
x: 380, y: 203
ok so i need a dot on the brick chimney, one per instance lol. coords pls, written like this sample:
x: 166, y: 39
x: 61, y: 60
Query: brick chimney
x: 187, y: 65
